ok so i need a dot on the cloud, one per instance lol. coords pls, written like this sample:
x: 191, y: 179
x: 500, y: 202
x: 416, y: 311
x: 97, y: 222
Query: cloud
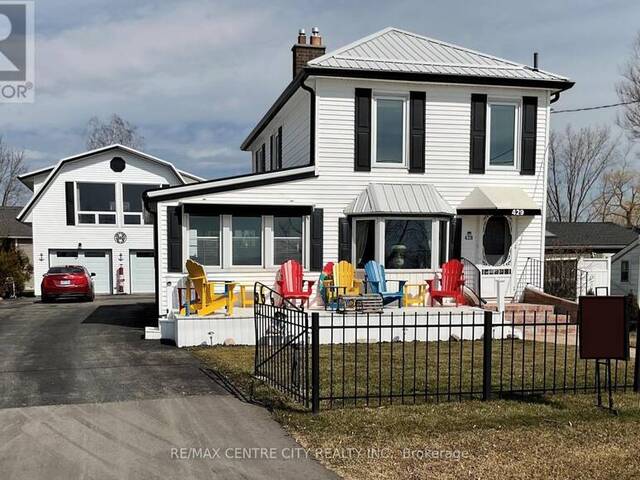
x: 196, y: 76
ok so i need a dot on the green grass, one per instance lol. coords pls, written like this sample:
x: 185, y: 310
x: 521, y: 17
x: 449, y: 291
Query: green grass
x: 542, y: 437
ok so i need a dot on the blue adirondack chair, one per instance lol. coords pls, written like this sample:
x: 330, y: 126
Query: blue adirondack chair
x: 377, y: 283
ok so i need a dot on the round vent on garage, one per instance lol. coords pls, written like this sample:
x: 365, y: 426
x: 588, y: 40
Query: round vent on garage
x: 117, y: 164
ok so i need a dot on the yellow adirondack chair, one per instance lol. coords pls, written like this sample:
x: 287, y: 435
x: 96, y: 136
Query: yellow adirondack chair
x: 207, y: 300
x: 344, y: 282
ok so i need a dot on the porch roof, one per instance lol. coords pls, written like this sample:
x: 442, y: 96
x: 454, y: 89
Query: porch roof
x: 493, y: 200
x: 400, y: 199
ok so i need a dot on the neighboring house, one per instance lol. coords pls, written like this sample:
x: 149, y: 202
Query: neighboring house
x: 88, y: 209
x: 15, y: 234
x: 398, y: 148
x: 625, y: 269
x: 585, y: 250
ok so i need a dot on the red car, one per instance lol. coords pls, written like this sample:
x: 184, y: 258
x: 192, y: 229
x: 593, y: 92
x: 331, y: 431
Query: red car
x: 68, y: 281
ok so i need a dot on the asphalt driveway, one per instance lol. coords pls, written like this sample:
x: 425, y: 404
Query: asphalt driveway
x: 82, y: 395
x: 80, y: 352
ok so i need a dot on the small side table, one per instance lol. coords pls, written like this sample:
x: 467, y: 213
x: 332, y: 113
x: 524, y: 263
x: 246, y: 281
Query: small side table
x: 415, y: 295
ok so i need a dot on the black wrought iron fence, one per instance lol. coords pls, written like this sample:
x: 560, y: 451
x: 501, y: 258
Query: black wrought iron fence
x: 337, y: 360
x: 282, y: 344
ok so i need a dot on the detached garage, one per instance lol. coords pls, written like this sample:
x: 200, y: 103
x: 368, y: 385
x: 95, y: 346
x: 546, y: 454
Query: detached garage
x: 88, y: 210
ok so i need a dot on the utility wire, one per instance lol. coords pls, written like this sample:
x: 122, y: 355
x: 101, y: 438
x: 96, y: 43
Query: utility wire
x: 598, y: 107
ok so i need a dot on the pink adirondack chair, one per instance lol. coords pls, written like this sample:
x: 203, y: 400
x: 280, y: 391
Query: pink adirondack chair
x: 292, y: 284
x: 448, y: 284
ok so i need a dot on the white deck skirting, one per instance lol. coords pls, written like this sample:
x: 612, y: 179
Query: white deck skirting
x: 462, y: 322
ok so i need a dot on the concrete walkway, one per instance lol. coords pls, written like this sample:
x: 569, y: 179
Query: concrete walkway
x: 199, y: 437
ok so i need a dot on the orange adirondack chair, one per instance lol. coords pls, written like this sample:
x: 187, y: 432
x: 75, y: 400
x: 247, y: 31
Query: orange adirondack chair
x: 448, y: 284
x: 292, y: 284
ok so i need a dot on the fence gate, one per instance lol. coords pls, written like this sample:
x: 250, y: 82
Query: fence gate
x: 282, y: 344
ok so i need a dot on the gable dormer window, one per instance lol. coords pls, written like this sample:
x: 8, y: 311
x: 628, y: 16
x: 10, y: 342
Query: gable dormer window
x: 97, y: 203
x: 389, y: 131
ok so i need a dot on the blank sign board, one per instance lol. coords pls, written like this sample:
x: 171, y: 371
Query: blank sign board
x: 604, y: 331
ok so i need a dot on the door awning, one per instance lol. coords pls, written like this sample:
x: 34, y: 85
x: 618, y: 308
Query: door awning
x: 400, y: 199
x: 491, y: 200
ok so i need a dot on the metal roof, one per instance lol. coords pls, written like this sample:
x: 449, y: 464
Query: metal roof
x: 395, y: 50
x: 399, y: 198
x: 10, y: 227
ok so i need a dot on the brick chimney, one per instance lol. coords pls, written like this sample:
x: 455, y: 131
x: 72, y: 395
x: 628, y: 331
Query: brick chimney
x: 303, y: 52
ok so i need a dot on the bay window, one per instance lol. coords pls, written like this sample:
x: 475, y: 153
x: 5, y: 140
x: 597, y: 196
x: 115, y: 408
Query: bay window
x: 204, y: 239
x: 388, y: 137
x: 246, y: 248
x: 133, y: 206
x: 407, y: 244
x: 502, y: 134
x: 365, y: 242
x: 287, y: 239
x: 96, y: 203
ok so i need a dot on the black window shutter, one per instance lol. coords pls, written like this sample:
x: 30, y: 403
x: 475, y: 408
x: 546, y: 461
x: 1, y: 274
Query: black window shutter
x: 344, y: 239
x: 529, y: 127
x: 315, y: 262
x: 174, y: 238
x: 70, y: 203
x: 416, y: 129
x: 478, y: 132
x: 455, y: 238
x: 279, y: 147
x: 363, y: 130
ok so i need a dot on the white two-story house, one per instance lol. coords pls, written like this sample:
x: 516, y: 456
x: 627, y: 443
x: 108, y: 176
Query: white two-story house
x: 88, y: 210
x: 398, y: 148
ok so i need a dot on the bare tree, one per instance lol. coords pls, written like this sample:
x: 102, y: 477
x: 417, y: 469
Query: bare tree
x: 11, y: 165
x: 577, y: 162
x: 116, y: 130
x: 619, y: 200
x: 629, y: 92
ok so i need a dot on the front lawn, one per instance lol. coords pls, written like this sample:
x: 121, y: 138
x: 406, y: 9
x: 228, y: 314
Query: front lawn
x: 550, y: 437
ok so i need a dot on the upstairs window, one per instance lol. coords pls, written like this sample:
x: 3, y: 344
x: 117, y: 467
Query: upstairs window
x: 204, y: 239
x: 389, y: 131
x: 624, y: 271
x: 276, y: 150
x: 259, y: 160
x: 133, y: 206
x: 97, y: 203
x: 502, y: 134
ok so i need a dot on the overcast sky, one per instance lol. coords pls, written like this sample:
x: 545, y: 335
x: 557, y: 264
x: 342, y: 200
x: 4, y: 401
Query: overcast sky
x: 196, y: 75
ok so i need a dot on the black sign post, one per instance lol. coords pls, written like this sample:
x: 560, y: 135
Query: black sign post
x: 604, y: 336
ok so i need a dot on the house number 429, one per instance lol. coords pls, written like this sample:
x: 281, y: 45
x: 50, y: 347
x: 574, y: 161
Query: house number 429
x: 517, y: 212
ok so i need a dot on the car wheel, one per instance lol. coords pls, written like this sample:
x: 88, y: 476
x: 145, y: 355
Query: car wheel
x: 46, y: 299
x: 91, y: 298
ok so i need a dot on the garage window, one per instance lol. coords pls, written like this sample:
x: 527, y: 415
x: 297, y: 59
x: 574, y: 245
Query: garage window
x: 133, y: 206
x: 96, y: 202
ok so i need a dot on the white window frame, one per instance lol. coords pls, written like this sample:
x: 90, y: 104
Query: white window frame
x: 96, y: 213
x: 263, y: 251
x: 140, y: 214
x: 273, y: 239
x: 380, y: 238
x: 516, y: 133
x: 221, y: 236
x: 512, y: 230
x: 374, y: 129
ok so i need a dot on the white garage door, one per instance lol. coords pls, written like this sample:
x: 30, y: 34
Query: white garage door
x: 142, y: 271
x: 96, y: 261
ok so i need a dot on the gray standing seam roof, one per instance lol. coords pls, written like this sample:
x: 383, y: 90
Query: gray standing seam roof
x: 399, y: 198
x: 396, y: 50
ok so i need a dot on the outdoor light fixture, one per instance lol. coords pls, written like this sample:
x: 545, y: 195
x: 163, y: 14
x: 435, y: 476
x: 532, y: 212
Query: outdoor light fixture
x: 120, y: 257
x: 41, y: 258
x: 79, y: 245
